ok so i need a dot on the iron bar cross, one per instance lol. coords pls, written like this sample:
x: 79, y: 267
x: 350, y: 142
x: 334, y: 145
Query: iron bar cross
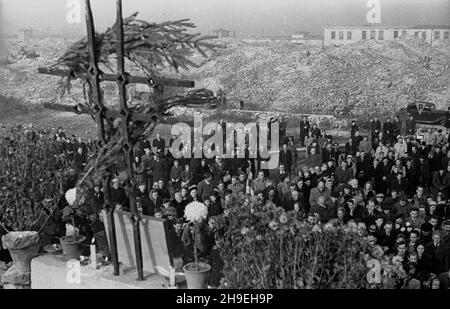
x: 103, y: 114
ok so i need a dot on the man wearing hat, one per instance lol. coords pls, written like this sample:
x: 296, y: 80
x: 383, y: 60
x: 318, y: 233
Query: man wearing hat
x: 193, y: 194
x: 426, y: 230
x: 386, y: 208
x: 354, y: 128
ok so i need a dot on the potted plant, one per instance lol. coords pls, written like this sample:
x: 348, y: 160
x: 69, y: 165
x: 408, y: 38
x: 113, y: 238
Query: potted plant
x: 197, y: 272
x: 30, y: 192
x: 71, y: 243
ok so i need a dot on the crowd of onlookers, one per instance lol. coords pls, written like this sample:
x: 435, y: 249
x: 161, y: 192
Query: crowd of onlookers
x: 393, y: 183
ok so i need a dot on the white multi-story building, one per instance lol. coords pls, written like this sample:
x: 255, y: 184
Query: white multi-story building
x: 348, y: 35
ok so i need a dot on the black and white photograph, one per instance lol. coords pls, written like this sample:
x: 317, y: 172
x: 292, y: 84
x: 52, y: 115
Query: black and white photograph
x: 233, y: 147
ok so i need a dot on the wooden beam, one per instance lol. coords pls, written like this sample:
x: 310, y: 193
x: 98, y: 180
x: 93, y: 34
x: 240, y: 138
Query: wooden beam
x: 113, y: 78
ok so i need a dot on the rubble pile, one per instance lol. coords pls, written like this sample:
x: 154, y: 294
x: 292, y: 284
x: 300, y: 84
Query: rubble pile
x: 377, y: 76
x: 366, y: 77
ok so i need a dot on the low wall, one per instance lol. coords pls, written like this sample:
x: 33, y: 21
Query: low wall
x: 51, y: 272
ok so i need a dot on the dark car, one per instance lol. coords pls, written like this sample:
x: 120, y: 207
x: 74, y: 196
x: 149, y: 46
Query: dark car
x: 423, y: 112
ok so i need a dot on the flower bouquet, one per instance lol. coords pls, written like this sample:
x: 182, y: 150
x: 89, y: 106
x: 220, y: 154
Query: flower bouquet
x: 197, y: 273
x: 71, y: 243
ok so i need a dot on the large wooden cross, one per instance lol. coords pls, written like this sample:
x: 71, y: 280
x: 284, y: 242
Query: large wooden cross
x: 102, y: 114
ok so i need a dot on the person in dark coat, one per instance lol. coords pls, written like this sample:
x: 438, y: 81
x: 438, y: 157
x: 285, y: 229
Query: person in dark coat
x: 118, y: 196
x: 215, y: 209
x: 304, y: 129
x: 439, y: 254
x: 156, y: 203
x: 79, y: 160
x: 396, y: 127
x: 350, y: 147
x: 296, y: 203
x: 353, y: 211
x: 176, y: 246
x: 375, y: 127
x: 370, y: 214
x: 388, y: 129
x: 218, y: 171
x: 179, y: 204
x: 286, y: 158
x: 423, y: 259
x: 98, y: 197
x: 387, y: 238
x: 410, y: 126
x: 354, y: 128
x: 205, y: 186
x: 160, y: 169
x: 398, y: 183
x: 316, y: 132
x: 143, y: 195
x: 69, y: 149
x: 159, y: 143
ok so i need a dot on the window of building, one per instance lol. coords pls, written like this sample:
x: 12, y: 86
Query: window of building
x: 404, y: 32
x: 395, y: 34
x: 445, y: 35
x: 341, y: 35
x: 372, y: 34
x: 349, y: 35
x: 437, y: 35
x: 333, y: 35
x: 364, y: 35
x: 381, y: 35
x: 424, y: 34
x: 416, y: 34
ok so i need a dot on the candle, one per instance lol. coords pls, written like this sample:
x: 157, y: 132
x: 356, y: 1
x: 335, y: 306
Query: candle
x: 93, y: 254
x: 172, y: 276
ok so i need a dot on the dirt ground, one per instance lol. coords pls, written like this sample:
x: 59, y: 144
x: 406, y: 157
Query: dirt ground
x: 13, y: 112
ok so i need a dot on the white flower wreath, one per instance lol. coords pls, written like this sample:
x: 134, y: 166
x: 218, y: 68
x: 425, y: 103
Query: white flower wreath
x: 196, y: 211
x: 71, y: 196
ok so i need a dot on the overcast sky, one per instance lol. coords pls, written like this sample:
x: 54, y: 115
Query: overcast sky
x: 280, y: 17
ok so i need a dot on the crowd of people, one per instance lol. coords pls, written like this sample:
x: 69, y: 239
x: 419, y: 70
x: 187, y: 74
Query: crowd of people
x: 391, y: 182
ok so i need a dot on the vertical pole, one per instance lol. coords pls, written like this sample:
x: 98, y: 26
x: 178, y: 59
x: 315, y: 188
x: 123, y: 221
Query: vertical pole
x: 95, y: 73
x: 128, y: 146
x: 99, y: 117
